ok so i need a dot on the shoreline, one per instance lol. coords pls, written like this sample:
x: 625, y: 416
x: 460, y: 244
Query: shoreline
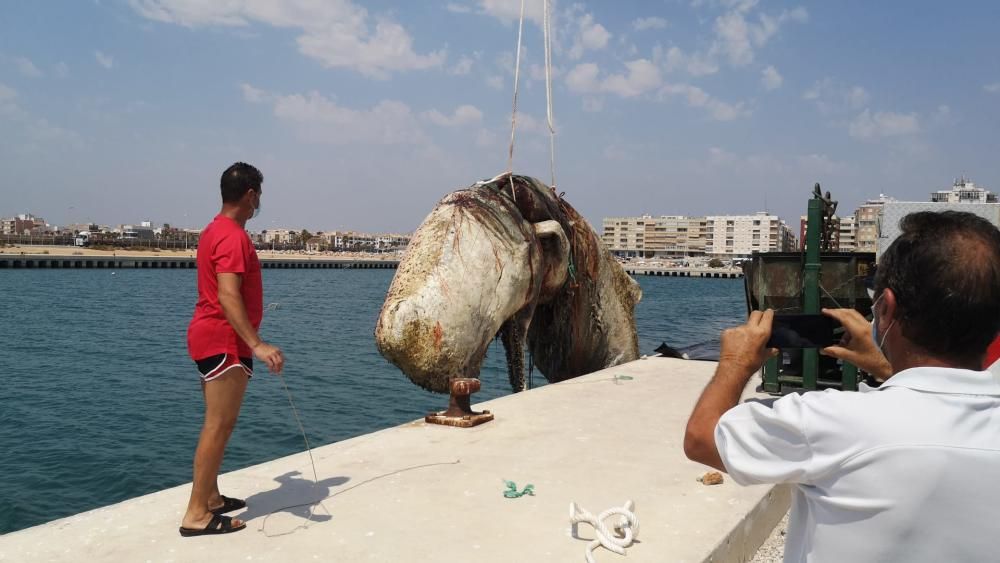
x: 73, y: 251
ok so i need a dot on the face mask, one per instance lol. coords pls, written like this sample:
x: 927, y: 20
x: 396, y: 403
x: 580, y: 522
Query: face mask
x: 256, y: 210
x: 875, y: 327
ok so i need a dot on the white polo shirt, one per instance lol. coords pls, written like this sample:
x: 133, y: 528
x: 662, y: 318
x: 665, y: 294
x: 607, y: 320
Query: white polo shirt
x: 906, y: 472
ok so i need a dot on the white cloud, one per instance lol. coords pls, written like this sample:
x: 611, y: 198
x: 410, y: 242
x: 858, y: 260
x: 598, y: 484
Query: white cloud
x: 462, y: 67
x: 61, y: 70
x: 7, y: 94
x: 588, y: 36
x: 832, y: 97
x: 495, y: 82
x: 818, y: 164
x: 254, y: 95
x: 883, y: 124
x: 857, y: 97
x: 992, y: 88
x: 486, y: 138
x: 736, y: 37
x: 642, y: 76
x: 336, y: 33
x: 771, y: 78
x: 510, y: 10
x: 652, y: 22
x: 674, y: 58
x: 528, y: 123
x: 26, y: 67
x: 35, y: 130
x: 104, y: 60
x: 458, y: 8
x: 321, y: 119
x: 696, y: 97
x: 463, y: 115
x: 583, y: 78
x: 942, y: 116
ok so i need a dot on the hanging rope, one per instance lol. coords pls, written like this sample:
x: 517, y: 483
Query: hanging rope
x: 624, y: 533
x: 513, y: 113
x: 546, y: 30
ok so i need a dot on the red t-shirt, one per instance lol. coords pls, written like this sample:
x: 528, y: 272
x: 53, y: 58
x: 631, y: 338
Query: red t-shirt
x: 992, y: 353
x: 224, y: 247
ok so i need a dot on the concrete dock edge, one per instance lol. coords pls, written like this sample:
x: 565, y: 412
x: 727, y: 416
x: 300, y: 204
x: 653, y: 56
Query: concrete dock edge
x: 398, y: 495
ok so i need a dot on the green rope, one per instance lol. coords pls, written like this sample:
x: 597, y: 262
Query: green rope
x: 512, y: 491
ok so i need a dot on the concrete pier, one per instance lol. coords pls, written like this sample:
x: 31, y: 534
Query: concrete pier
x: 729, y: 273
x: 425, y: 493
x: 178, y: 262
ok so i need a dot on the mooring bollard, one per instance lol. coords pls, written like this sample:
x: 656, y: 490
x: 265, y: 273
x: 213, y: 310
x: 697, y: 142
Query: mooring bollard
x: 459, y: 411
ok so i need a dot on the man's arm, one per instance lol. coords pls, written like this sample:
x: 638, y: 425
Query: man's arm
x: 857, y: 346
x: 742, y: 353
x: 236, y: 314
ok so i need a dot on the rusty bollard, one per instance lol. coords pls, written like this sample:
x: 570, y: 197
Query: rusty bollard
x: 459, y: 411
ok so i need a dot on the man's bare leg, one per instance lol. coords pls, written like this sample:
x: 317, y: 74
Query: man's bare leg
x: 223, y: 398
x: 214, y: 497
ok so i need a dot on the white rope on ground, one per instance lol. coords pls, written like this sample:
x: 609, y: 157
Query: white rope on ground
x: 546, y: 28
x: 513, y: 113
x: 625, y: 531
x: 312, y: 506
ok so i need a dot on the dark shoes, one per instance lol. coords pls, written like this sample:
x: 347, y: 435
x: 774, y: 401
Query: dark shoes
x: 229, y: 505
x: 217, y: 525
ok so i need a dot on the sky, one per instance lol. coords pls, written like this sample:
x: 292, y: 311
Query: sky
x: 363, y: 114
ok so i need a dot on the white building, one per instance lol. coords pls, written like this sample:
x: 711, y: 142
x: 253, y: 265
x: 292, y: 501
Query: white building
x: 742, y: 235
x: 278, y: 236
x: 848, y: 233
x: 677, y: 236
x: 866, y: 221
x: 666, y: 236
x: 964, y: 190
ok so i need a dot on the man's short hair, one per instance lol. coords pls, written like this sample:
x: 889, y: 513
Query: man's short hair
x: 945, y: 272
x: 239, y: 178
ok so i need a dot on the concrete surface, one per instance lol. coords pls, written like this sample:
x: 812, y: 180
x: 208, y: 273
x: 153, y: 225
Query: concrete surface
x: 419, y: 492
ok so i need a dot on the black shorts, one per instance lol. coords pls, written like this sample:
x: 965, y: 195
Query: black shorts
x: 214, y: 366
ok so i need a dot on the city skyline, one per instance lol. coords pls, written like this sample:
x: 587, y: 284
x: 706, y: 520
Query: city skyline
x: 366, y: 115
x: 962, y: 189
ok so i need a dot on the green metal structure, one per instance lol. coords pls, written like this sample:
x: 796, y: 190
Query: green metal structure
x: 805, y: 282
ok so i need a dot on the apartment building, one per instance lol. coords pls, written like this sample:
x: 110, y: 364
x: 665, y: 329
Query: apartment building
x: 964, y: 190
x: 866, y: 220
x: 23, y: 224
x: 847, y: 234
x: 732, y: 236
x: 678, y: 236
x: 667, y: 236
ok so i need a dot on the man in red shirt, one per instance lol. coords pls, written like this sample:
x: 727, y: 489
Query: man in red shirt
x: 222, y: 340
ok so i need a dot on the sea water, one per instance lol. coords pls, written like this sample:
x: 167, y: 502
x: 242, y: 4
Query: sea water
x: 99, y: 401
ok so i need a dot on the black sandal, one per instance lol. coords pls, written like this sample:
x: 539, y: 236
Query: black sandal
x: 229, y: 504
x: 217, y: 525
